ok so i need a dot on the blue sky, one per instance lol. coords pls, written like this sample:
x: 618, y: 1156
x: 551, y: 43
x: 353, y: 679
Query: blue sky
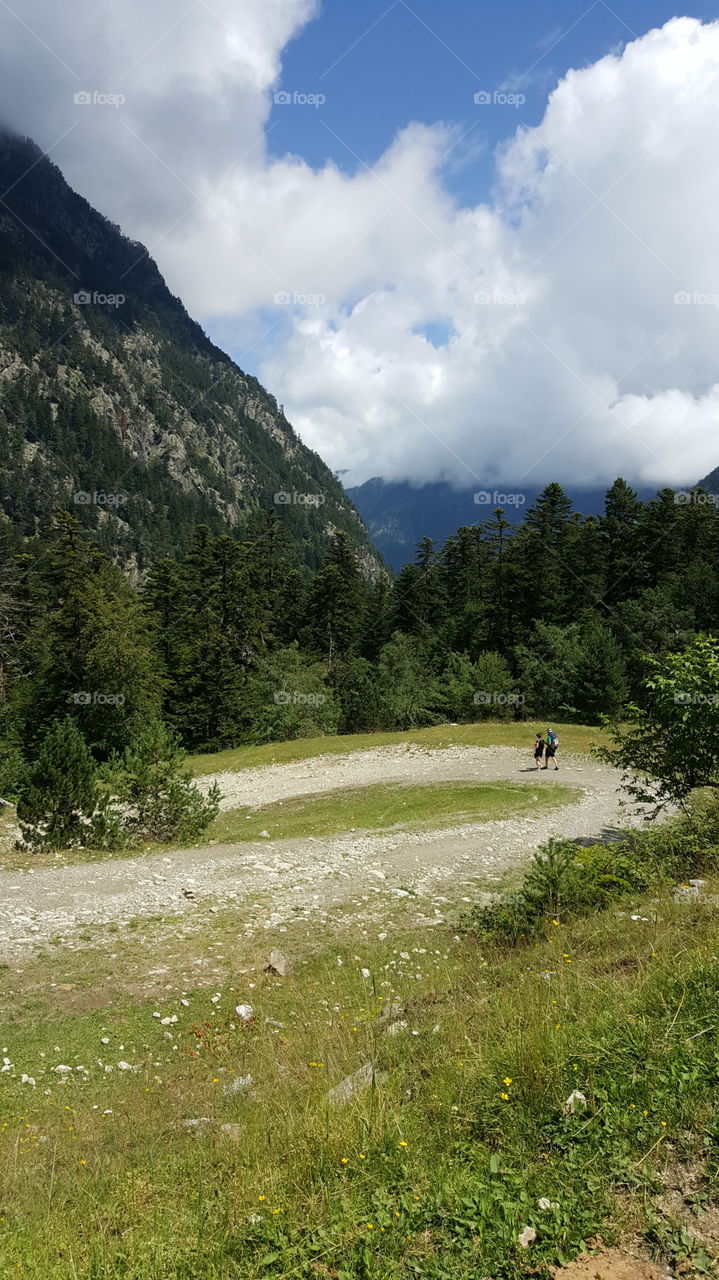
x: 431, y: 286
x: 383, y: 65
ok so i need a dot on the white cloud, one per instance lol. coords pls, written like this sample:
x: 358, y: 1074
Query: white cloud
x: 567, y: 356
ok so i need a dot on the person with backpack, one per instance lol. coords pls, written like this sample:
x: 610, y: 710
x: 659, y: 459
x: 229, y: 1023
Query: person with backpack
x: 551, y: 749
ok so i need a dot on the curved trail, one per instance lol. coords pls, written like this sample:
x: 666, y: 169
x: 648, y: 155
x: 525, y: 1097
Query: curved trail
x: 312, y: 875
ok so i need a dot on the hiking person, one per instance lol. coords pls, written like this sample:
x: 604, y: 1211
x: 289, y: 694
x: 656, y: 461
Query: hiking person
x: 539, y: 745
x: 551, y: 749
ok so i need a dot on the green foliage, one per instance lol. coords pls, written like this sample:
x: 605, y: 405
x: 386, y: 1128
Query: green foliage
x: 669, y: 750
x: 567, y: 880
x: 13, y: 767
x: 408, y: 691
x: 576, y: 670
x: 496, y: 692
x: 58, y: 794
x: 287, y: 697
x: 157, y: 791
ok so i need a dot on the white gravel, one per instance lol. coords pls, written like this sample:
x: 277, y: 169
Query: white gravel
x: 312, y: 875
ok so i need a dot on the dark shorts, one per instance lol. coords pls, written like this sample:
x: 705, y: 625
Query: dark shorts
x: 538, y: 753
x: 550, y: 752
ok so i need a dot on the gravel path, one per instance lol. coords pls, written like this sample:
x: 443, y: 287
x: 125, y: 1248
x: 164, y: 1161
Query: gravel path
x: 315, y: 874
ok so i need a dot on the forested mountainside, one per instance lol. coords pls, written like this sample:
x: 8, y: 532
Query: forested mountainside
x: 115, y: 405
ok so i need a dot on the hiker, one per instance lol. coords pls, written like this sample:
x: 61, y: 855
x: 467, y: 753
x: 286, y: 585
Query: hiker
x: 551, y: 750
x: 539, y: 745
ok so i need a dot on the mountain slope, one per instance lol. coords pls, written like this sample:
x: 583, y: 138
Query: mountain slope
x: 114, y: 403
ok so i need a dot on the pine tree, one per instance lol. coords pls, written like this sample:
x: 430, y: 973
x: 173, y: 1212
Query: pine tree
x: 59, y: 793
x: 543, y: 586
x: 337, y: 602
x: 622, y: 532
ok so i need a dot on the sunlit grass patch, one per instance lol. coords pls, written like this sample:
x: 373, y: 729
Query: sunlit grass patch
x: 390, y: 806
x: 487, y: 733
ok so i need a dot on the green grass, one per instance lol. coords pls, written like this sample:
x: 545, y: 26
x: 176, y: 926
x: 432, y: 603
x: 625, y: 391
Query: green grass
x: 488, y: 733
x: 433, y: 1172
x: 389, y: 806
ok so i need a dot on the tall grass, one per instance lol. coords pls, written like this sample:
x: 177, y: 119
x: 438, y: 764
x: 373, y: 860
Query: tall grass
x: 433, y: 1171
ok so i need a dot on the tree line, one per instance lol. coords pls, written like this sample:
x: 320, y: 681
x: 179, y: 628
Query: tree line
x: 235, y: 641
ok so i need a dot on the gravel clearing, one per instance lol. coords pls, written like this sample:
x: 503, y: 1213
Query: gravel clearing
x: 441, y: 867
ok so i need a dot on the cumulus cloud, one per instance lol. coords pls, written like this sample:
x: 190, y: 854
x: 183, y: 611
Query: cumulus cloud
x: 583, y: 303
x: 567, y: 328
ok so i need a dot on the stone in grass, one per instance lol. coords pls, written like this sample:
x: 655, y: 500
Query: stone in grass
x: 278, y: 963
x: 391, y: 1010
x: 526, y: 1237
x: 352, y: 1086
x: 574, y: 1101
x: 196, y: 1128
x: 396, y: 1028
x: 242, y: 1084
x: 244, y: 1011
x: 691, y: 892
x: 234, y: 1132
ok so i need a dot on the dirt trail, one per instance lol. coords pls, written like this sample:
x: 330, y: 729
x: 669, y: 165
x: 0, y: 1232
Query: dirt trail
x: 314, y: 874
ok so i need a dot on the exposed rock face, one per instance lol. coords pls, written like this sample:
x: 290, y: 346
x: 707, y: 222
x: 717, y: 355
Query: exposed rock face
x: 114, y: 403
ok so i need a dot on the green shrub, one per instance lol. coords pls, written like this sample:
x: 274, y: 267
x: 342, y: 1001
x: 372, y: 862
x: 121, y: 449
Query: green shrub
x: 160, y: 798
x: 59, y: 795
x: 566, y: 879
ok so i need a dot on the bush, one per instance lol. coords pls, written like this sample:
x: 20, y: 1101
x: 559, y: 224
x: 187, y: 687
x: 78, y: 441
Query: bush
x: 58, y: 794
x: 567, y: 879
x: 157, y: 790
